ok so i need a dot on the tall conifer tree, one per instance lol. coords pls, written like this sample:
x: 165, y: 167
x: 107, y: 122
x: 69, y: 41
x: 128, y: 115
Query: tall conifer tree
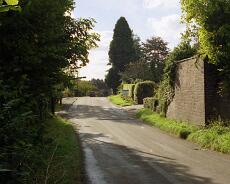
x: 122, y: 51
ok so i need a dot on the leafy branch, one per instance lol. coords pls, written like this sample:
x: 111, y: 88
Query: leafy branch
x: 6, y: 5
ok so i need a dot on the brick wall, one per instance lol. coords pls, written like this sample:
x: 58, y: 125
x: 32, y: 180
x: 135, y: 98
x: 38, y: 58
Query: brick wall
x: 196, y: 97
x: 189, y: 100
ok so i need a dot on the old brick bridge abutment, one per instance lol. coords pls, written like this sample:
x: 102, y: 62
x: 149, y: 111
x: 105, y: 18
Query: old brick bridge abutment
x: 196, y: 97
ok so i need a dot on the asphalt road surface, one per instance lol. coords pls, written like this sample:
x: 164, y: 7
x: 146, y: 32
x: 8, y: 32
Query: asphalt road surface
x: 122, y: 150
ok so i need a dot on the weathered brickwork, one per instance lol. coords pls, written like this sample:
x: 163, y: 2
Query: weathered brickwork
x: 196, y: 97
x: 189, y: 100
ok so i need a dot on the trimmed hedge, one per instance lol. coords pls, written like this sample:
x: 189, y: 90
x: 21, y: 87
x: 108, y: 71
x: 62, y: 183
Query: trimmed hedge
x: 143, y: 90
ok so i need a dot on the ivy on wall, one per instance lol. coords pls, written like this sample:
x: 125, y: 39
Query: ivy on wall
x: 165, y: 91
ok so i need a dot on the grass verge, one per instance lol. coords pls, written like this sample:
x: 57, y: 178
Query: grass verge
x: 182, y: 130
x: 215, y: 137
x: 60, y: 160
x: 118, y: 100
x: 68, y: 152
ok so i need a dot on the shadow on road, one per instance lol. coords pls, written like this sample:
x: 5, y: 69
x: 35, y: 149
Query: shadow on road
x: 125, y: 165
x: 97, y: 112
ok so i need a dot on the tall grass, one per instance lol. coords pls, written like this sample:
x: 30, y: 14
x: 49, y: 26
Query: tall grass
x: 180, y: 129
x: 60, y: 159
x: 215, y: 137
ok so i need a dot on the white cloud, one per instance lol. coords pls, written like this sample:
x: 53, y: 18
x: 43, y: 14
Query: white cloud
x: 168, y: 27
x: 98, y: 58
x: 151, y: 4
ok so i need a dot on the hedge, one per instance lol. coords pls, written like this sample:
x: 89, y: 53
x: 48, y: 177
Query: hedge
x: 143, y: 90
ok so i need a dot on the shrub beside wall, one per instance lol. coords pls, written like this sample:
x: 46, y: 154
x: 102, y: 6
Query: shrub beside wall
x: 143, y: 90
x: 151, y: 103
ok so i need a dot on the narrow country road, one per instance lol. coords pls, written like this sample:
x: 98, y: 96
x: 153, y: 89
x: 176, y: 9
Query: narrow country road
x: 121, y: 150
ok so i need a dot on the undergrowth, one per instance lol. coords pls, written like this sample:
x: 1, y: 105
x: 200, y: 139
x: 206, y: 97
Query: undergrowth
x: 59, y: 160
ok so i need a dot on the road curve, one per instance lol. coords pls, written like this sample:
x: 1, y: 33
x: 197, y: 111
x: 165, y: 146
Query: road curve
x: 121, y: 150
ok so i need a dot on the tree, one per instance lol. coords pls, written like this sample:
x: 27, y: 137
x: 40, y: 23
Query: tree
x: 135, y: 71
x: 137, y: 47
x: 83, y: 88
x: 154, y: 53
x: 37, y: 45
x: 122, y: 50
x: 102, y: 87
x: 113, y: 79
x: 211, y: 21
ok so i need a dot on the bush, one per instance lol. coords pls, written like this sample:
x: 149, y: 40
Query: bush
x: 151, y: 103
x: 143, y: 90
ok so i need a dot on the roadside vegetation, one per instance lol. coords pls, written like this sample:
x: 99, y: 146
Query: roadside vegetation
x: 40, y: 55
x: 119, y: 100
x: 94, y: 87
x: 182, y: 129
x: 215, y: 137
x: 59, y: 158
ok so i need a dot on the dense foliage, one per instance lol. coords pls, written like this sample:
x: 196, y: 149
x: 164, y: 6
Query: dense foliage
x: 83, y: 88
x: 165, y: 91
x: 37, y: 46
x: 155, y: 51
x: 122, y: 52
x: 150, y: 63
x: 137, y: 70
x: 113, y: 79
x: 209, y: 22
x: 151, y: 103
x: 101, y: 86
x: 79, y: 88
x: 6, y: 5
x: 143, y: 90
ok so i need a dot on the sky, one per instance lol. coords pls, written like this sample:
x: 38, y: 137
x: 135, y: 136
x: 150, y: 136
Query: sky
x: 146, y: 18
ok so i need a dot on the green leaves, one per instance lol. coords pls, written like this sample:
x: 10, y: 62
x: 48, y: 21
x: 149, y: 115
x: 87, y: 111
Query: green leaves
x: 121, y: 52
x: 36, y: 48
x: 210, y: 19
x: 12, y: 2
x: 10, y: 5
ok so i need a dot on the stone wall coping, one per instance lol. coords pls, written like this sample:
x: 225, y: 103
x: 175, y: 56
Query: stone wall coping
x: 187, y: 59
